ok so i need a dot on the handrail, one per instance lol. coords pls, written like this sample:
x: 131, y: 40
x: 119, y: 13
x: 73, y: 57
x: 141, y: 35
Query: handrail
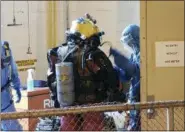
x: 104, y: 107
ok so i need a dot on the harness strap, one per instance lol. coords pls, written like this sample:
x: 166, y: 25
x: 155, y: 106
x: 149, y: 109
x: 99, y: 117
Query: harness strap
x: 7, y: 53
x: 11, y: 101
x: 5, y: 86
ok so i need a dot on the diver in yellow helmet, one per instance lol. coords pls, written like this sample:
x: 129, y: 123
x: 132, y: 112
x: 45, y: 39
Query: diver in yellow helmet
x: 83, y: 34
x: 93, y: 75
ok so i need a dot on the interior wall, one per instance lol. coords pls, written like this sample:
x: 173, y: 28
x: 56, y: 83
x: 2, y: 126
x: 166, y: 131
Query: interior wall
x: 112, y: 17
x: 18, y: 36
x: 160, y: 26
x: 161, y: 21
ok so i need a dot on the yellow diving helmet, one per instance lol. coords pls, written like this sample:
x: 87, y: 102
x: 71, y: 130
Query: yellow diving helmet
x: 85, y: 26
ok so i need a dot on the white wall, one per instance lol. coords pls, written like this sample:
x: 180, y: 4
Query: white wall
x: 112, y: 17
x: 18, y: 36
x: 128, y: 12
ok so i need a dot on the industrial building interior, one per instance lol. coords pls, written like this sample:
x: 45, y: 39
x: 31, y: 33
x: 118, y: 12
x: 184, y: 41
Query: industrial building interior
x: 126, y: 72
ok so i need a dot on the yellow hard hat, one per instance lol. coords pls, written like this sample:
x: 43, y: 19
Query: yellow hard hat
x: 85, y: 27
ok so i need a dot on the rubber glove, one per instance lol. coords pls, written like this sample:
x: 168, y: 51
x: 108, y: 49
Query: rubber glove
x: 122, y: 62
x: 18, y: 96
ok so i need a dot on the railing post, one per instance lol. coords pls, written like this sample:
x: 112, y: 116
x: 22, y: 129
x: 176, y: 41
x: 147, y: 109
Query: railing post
x: 170, y: 119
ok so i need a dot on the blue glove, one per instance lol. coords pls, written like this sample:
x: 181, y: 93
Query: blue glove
x: 121, y: 73
x: 18, y: 96
x: 122, y: 62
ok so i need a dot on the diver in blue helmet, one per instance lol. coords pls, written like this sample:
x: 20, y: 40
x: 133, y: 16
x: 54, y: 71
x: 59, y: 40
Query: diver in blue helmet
x: 9, y: 78
x: 129, y: 70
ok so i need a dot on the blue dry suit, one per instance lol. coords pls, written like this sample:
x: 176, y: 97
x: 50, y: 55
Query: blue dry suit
x: 9, y: 78
x: 129, y: 70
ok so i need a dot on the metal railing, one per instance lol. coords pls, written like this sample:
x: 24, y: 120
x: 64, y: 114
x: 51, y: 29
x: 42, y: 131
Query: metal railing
x: 162, y: 115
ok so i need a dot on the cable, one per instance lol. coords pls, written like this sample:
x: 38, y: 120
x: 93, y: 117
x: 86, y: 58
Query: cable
x: 14, y: 18
x: 28, y: 14
x: 67, y: 14
x: 14, y: 11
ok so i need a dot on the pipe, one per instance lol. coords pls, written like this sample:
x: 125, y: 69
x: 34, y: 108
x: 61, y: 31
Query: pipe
x: 67, y: 14
x: 170, y: 119
x: 52, y: 25
x: 55, y: 24
x: 49, y: 24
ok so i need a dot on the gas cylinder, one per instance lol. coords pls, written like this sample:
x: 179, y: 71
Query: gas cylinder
x: 65, y: 83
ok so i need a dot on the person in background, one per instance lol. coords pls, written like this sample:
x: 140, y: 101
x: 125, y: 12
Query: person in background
x: 9, y: 79
x: 129, y: 70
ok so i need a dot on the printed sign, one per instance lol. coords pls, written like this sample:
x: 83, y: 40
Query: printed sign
x: 169, y: 54
x: 25, y: 69
x: 26, y: 62
x: 48, y: 103
x: 64, y: 77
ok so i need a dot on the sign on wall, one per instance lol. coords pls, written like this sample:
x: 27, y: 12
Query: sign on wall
x: 169, y: 54
x: 26, y: 62
x: 22, y: 63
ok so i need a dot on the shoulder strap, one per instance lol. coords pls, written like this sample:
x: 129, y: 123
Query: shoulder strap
x: 5, y: 45
x: 65, y: 50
